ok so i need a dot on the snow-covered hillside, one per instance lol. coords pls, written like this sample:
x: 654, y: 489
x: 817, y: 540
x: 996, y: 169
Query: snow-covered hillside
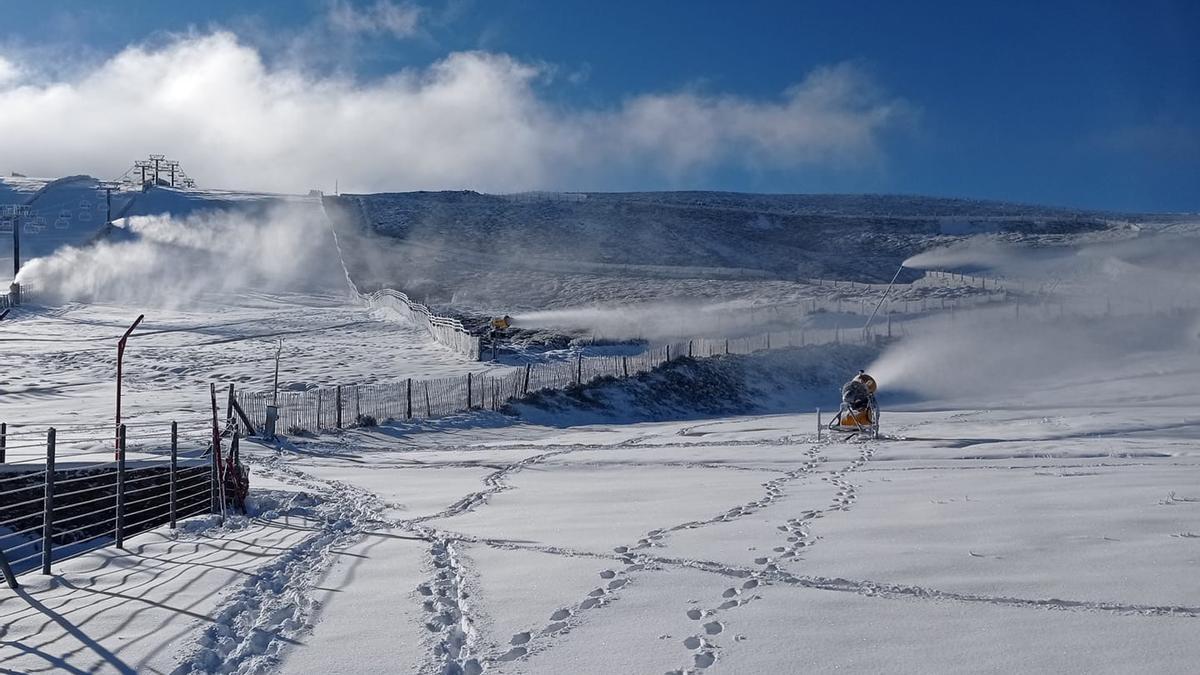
x: 512, y: 253
x: 1030, y: 505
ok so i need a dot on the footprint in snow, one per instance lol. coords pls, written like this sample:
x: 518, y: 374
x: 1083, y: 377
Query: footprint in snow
x: 695, y: 614
x: 519, y: 639
x: 607, y: 574
x: 714, y: 627
x: 513, y: 654
x: 729, y: 593
x: 705, y: 659
x: 560, y: 615
x: 693, y: 642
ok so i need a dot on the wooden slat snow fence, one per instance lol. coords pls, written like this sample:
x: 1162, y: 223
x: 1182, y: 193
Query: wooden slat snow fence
x: 340, y: 406
x: 444, y: 330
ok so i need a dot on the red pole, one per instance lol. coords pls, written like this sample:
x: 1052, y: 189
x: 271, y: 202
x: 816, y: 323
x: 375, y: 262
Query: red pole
x: 120, y: 358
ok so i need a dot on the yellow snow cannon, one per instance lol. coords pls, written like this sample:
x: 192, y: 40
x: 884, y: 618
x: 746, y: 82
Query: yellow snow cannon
x: 859, y: 412
x: 501, y: 323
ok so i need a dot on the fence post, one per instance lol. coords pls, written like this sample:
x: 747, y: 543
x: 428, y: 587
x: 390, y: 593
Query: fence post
x: 3, y: 440
x: 339, y: 406
x: 689, y: 349
x: 320, y: 400
x: 229, y: 407
x: 668, y: 353
x: 579, y: 369
x: 428, y: 408
x: 120, y: 529
x: 768, y: 340
x: 819, y: 425
x: 468, y: 391
x: 174, y: 467
x: 625, y: 365
x: 48, y: 504
x: 212, y: 481
x: 529, y: 366
x: 408, y: 401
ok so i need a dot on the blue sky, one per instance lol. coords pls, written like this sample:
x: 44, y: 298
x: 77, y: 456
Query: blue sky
x: 1094, y: 104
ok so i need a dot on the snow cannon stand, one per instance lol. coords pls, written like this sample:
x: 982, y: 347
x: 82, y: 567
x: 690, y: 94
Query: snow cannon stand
x: 859, y: 412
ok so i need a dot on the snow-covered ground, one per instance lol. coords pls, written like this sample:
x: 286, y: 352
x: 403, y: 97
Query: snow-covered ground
x: 1055, y: 531
x: 60, y: 362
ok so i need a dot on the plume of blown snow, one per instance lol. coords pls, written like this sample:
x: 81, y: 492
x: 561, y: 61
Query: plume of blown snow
x: 171, y: 262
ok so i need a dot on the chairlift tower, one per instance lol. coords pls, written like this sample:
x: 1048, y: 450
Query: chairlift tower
x: 142, y: 165
x: 157, y: 159
x: 107, y: 188
x: 14, y: 213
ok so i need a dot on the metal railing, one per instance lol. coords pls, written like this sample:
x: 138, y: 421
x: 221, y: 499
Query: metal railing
x: 66, y: 502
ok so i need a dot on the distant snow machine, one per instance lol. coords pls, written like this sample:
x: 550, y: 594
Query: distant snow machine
x: 859, y: 412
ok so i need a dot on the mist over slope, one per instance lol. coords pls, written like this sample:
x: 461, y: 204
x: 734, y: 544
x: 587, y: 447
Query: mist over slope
x: 549, y: 250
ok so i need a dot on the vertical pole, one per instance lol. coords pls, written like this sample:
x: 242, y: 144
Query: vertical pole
x: 120, y: 528
x: 408, y: 401
x: 625, y: 366
x: 819, y: 425
x: 120, y: 357
x: 48, y: 505
x: 339, y: 406
x: 229, y: 406
x: 668, y: 353
x: 3, y: 440
x: 468, y: 391
x: 6, y: 570
x: 529, y: 367
x: 428, y: 408
x: 726, y: 346
x: 689, y: 349
x: 275, y: 386
x: 579, y: 369
x: 174, y: 467
x: 16, y: 244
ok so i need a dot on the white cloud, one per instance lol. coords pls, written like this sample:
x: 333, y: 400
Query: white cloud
x: 381, y: 18
x: 471, y: 120
x: 9, y: 73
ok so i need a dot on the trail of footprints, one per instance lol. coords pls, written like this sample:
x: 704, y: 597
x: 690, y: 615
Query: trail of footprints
x: 561, y: 620
x: 704, y: 649
x: 702, y: 645
x: 798, y: 530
